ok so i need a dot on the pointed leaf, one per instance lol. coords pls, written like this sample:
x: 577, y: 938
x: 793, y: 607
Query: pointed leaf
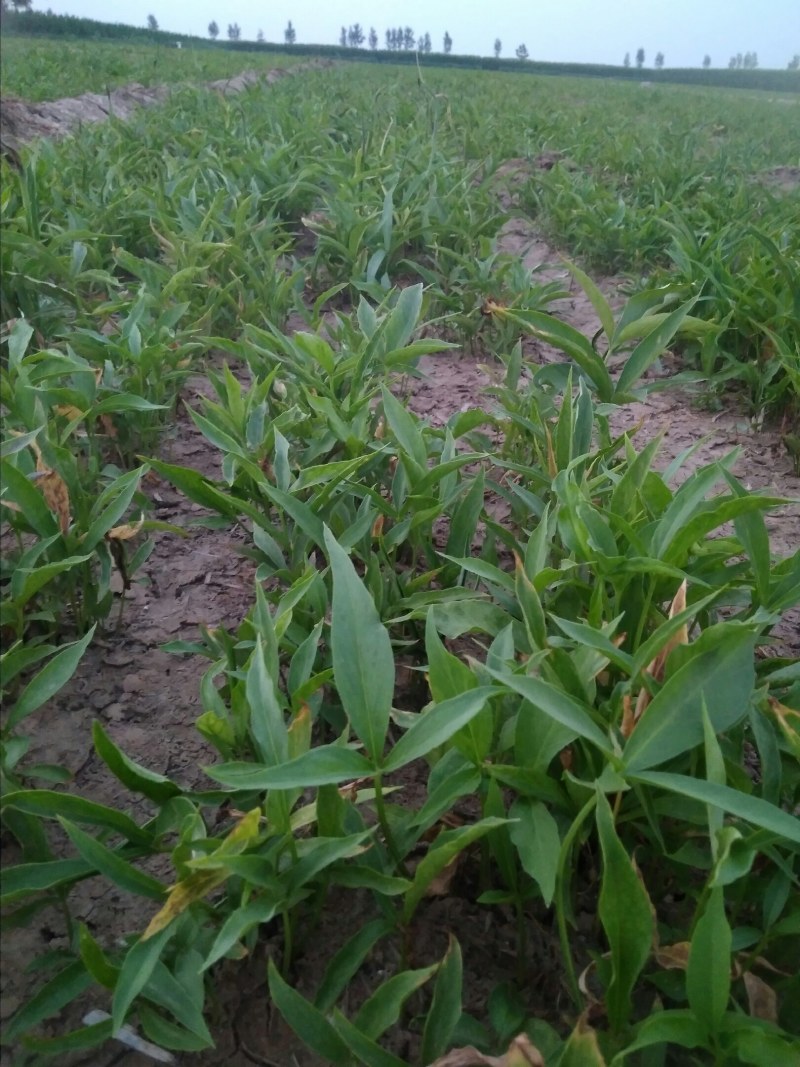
x: 363, y: 661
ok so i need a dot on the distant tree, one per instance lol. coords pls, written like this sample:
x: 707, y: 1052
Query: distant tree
x: 290, y: 33
x: 426, y: 45
x: 213, y: 30
x: 706, y: 62
x: 659, y: 62
x: 498, y: 47
x: 794, y: 62
x: 739, y: 60
x: 373, y: 38
x: 447, y: 43
x: 750, y: 61
x: 355, y: 35
x: 409, y: 40
x: 234, y: 31
x: 152, y: 22
x: 343, y: 37
x: 389, y: 40
x: 640, y: 58
x: 24, y: 5
x: 260, y: 36
x: 627, y: 60
x: 522, y: 53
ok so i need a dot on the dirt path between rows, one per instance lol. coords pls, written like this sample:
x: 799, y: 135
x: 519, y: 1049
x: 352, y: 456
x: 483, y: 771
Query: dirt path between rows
x: 456, y: 382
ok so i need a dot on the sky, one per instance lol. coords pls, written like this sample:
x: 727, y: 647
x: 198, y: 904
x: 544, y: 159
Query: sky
x: 584, y: 31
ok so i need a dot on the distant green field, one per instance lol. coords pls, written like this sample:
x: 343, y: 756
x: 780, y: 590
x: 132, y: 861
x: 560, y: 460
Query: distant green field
x: 39, y: 69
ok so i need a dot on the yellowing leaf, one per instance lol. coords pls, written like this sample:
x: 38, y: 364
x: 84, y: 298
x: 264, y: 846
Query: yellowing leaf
x: 195, y: 887
x: 126, y: 531
x: 69, y: 411
x: 211, y: 875
x: 789, y: 721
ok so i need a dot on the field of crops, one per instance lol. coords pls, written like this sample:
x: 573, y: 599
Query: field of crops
x: 41, y: 69
x: 382, y: 683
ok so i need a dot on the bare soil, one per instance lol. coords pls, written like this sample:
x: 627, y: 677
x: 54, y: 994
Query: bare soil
x: 148, y: 701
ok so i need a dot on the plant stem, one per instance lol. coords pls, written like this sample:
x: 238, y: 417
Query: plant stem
x: 388, y: 837
x: 562, y: 886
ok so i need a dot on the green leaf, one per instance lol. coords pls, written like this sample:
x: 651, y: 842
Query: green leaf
x: 446, y: 847
x: 366, y: 1050
x: 448, y: 676
x: 382, y: 1009
x: 34, y: 877
x: 135, y: 972
x: 307, y: 1022
x: 487, y: 572
x: 347, y: 961
x: 534, y: 832
x: 752, y: 809
x: 50, y: 805
x: 111, y: 505
x: 95, y: 960
x: 83, y: 1038
x: 649, y: 349
x: 598, y: 301
x: 445, y: 1010
x: 267, y: 722
x: 138, y: 779
x: 675, y: 1027
x: 238, y: 923
x: 50, y: 999
x: 319, y: 766
x: 26, y: 582
x: 435, y: 726
x: 28, y: 498
x: 363, y: 661
x: 625, y: 912
x: 718, y: 669
x: 47, y: 682
x: 570, y: 341
x: 166, y: 1034
x: 557, y: 704
x: 708, y: 973
x: 112, y: 866
x: 406, y: 429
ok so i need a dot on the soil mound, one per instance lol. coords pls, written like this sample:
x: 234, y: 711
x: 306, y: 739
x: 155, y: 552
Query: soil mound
x: 22, y: 122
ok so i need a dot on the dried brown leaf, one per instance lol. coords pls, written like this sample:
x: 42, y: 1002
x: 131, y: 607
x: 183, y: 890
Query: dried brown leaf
x: 107, y: 426
x: 761, y: 998
x: 440, y: 886
x: 521, y: 1053
x: 56, y: 496
x: 673, y: 957
x: 656, y: 668
x: 628, y: 716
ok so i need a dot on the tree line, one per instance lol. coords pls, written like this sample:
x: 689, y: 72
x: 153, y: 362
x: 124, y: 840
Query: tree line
x: 34, y: 23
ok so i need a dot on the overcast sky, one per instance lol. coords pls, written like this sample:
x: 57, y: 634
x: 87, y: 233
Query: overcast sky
x: 587, y: 31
